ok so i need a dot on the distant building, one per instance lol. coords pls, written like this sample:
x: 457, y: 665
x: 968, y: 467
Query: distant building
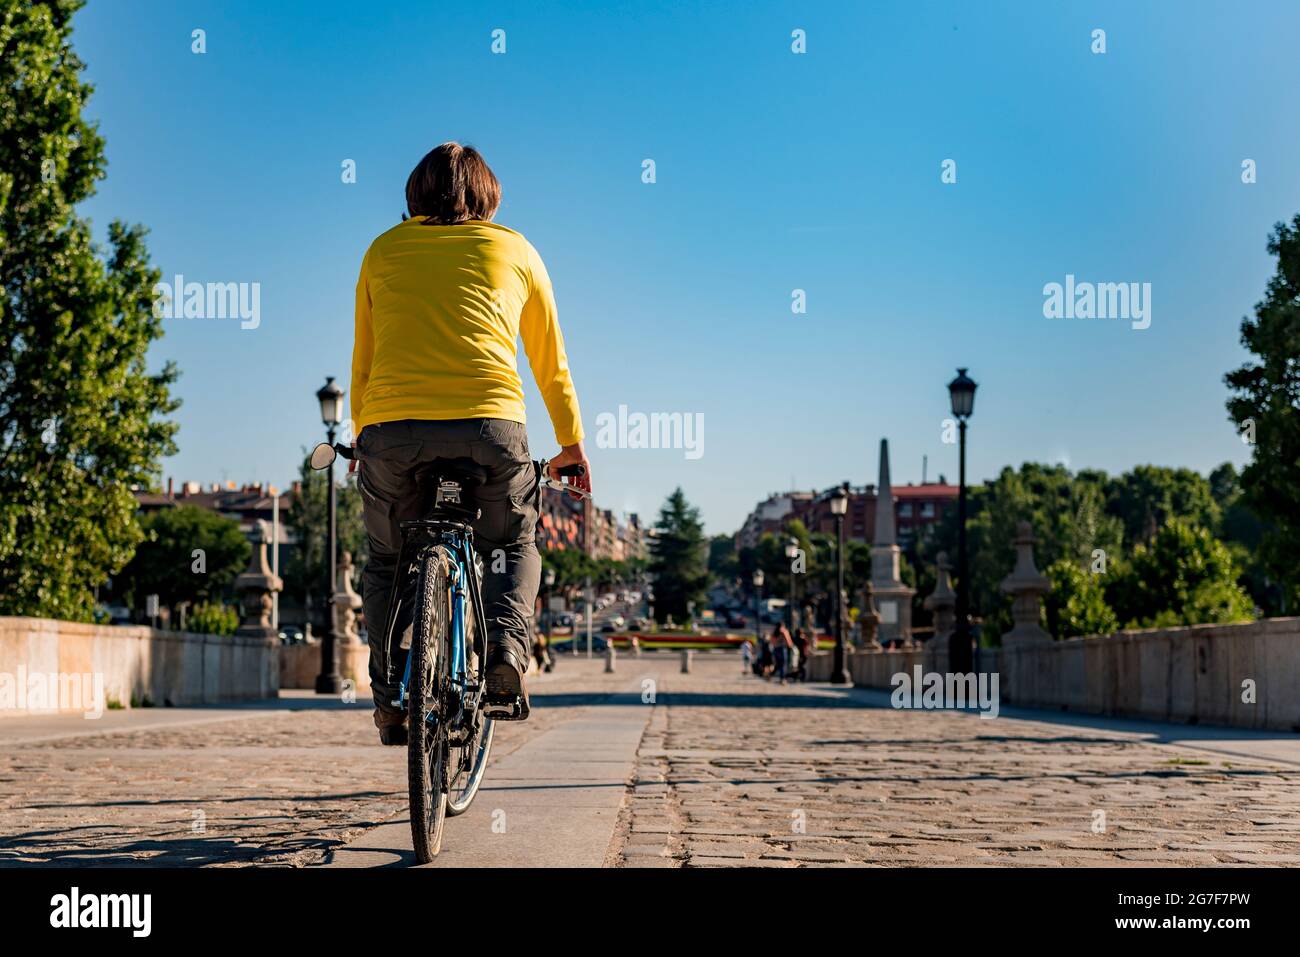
x: 771, y: 515
x: 633, y: 537
x: 604, y: 535
x: 562, y: 521
x: 247, y: 505
x: 915, y: 508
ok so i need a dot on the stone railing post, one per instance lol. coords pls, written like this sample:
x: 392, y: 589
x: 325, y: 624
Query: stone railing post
x: 346, y: 605
x: 1026, y: 586
x: 686, y: 661
x: 609, y: 658
x: 869, y: 619
x: 255, y: 585
x: 942, y: 604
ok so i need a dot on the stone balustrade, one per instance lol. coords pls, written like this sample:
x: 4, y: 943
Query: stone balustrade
x: 137, y: 663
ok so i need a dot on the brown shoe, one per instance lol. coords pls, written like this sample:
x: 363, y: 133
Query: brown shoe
x: 392, y: 727
x: 506, y: 695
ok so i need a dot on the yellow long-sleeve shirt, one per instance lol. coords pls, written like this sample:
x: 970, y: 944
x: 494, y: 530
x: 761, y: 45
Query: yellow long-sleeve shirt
x: 439, y: 310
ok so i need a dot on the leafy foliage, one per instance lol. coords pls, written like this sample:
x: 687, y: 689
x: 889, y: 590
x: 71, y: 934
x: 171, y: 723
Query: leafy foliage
x: 212, y: 618
x: 1090, y: 530
x: 573, y: 568
x: 80, y: 415
x: 165, y: 563
x: 679, y: 556
x: 305, y: 573
x: 1185, y: 576
x: 1069, y: 517
x: 1265, y: 405
x: 1076, y: 605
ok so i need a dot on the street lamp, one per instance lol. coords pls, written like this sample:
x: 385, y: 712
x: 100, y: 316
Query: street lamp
x: 549, y: 580
x: 961, y: 659
x: 330, y: 397
x: 758, y: 606
x: 792, y: 552
x: 839, y: 508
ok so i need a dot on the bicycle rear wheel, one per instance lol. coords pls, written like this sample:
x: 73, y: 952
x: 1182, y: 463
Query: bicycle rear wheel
x: 427, y: 745
x: 468, y: 761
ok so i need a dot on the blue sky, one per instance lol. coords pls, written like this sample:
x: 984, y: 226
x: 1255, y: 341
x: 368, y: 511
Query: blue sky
x: 775, y: 172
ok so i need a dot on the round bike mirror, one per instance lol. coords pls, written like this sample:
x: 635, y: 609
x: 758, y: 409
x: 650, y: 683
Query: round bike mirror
x: 323, y: 456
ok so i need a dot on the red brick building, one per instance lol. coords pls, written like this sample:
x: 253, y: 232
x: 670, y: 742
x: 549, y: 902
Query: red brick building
x: 915, y: 507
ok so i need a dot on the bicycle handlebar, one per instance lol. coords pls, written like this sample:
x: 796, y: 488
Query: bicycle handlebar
x: 565, y: 471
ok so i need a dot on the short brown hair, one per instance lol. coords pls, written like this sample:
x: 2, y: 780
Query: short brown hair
x: 452, y: 184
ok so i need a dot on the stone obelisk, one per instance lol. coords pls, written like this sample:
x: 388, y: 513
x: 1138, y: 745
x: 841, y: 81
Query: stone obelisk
x: 893, y: 598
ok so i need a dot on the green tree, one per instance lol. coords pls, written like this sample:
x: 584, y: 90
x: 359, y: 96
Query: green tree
x: 81, y: 418
x: 724, y: 562
x: 212, y: 618
x: 166, y: 563
x: 572, y: 569
x: 678, y: 559
x: 1076, y: 605
x: 308, y: 519
x: 1148, y: 496
x: 1068, y: 515
x: 1265, y: 407
x: 1243, y: 532
x: 1185, y: 576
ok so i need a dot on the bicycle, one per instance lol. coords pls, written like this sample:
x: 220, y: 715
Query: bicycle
x: 450, y: 725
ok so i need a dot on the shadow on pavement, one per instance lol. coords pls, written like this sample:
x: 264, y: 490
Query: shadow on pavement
x: 693, y: 699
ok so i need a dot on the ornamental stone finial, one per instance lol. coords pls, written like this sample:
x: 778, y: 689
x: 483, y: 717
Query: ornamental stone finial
x: 1026, y: 586
x: 943, y: 600
x: 869, y: 618
x: 346, y: 604
x: 255, y: 585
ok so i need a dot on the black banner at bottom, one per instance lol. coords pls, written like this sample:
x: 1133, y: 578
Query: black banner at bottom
x: 338, y: 907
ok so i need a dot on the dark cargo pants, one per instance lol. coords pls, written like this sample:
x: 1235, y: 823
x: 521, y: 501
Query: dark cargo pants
x: 392, y: 453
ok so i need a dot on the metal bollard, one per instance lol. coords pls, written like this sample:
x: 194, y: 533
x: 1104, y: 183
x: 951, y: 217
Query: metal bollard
x: 686, y: 661
x: 609, y: 659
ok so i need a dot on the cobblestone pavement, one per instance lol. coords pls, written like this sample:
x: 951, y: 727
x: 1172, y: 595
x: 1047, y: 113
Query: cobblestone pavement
x: 735, y: 771
x: 273, y: 789
x: 730, y: 771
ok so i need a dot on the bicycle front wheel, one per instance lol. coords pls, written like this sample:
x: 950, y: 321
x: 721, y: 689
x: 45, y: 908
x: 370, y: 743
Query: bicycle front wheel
x: 467, y: 762
x: 427, y: 745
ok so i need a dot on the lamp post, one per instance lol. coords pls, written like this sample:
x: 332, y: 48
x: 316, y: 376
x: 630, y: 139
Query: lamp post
x: 961, y: 659
x: 549, y: 580
x: 330, y: 397
x: 758, y: 608
x: 792, y: 552
x: 589, y: 595
x: 839, y: 508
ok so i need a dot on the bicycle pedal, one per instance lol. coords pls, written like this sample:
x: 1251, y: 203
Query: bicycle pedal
x: 502, y: 710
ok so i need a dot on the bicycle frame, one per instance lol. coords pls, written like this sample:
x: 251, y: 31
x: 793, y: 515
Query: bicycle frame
x: 457, y: 538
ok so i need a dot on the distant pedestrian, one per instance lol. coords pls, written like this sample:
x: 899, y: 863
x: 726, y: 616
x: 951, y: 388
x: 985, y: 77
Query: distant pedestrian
x: 803, y: 647
x: 746, y: 657
x: 782, y: 646
x: 542, y: 653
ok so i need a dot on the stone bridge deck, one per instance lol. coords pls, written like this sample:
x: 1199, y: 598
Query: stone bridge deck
x: 719, y: 769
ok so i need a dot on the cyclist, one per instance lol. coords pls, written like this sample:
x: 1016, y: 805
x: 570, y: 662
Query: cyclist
x: 441, y: 300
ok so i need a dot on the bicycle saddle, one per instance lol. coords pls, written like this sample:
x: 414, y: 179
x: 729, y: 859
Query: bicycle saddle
x: 450, y: 483
x: 466, y: 473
